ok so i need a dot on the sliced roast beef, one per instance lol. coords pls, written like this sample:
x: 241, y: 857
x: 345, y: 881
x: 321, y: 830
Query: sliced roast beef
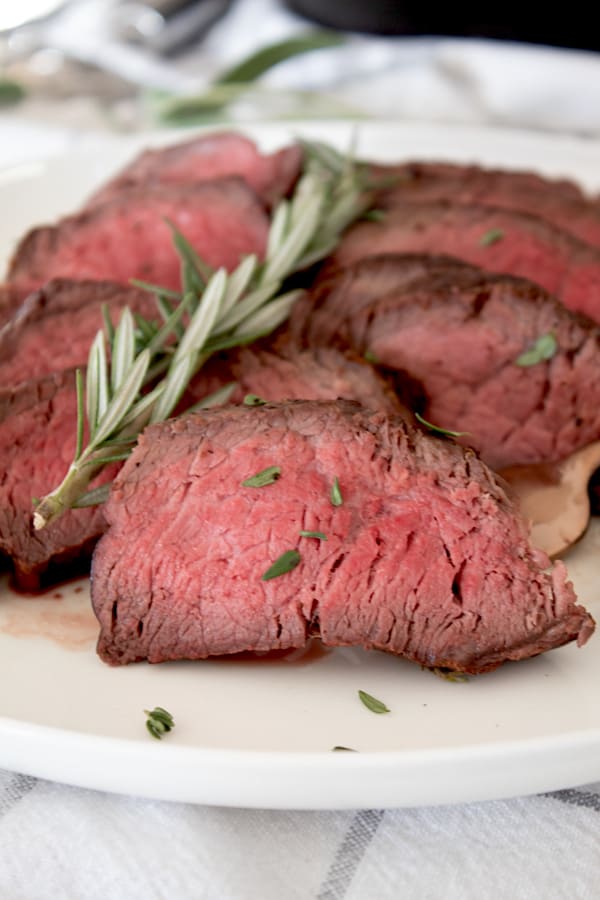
x: 460, y: 335
x: 561, y: 203
x: 128, y: 236
x: 322, y: 315
x: 321, y: 373
x: 37, y: 441
x: 498, y: 240
x: 56, y: 325
x: 10, y: 300
x: 423, y: 555
x: 207, y: 157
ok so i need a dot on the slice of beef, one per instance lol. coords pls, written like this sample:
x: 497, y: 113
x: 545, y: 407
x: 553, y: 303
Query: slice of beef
x: 459, y: 336
x: 321, y: 373
x: 426, y: 556
x: 128, y: 236
x: 56, y: 325
x: 207, y: 157
x: 322, y: 316
x: 37, y: 441
x: 561, y: 203
x: 498, y: 240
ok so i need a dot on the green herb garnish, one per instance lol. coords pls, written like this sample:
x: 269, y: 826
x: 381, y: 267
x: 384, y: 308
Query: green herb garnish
x: 491, y: 237
x: 253, y: 400
x: 159, y: 722
x: 261, y: 479
x: 336, y: 494
x: 372, y: 703
x: 348, y: 749
x: 286, y: 562
x: 544, y: 348
x: 139, y: 371
x: 436, y: 428
x: 314, y: 534
x: 370, y: 357
x: 375, y: 215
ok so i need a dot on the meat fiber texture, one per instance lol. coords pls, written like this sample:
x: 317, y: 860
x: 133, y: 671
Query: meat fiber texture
x: 498, y: 240
x: 458, y: 333
x: 37, y: 440
x: 426, y: 557
x: 10, y: 300
x: 559, y: 202
x: 55, y: 326
x: 207, y: 157
x: 321, y: 373
x: 128, y: 236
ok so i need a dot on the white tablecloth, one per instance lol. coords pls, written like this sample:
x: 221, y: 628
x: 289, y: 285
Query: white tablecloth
x: 63, y: 842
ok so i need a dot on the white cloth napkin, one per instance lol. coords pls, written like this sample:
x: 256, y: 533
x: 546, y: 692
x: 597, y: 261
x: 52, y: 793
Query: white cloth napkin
x: 67, y: 843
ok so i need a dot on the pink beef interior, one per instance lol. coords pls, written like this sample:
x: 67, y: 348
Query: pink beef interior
x: 425, y: 558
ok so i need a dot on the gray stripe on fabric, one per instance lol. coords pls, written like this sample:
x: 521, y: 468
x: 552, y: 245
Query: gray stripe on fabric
x: 350, y: 853
x: 14, y: 790
x: 584, y: 799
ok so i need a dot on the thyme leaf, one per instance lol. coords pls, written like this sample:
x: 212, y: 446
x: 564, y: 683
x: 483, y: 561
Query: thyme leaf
x: 544, y: 348
x: 491, y: 237
x: 253, y: 400
x: 159, y: 722
x: 372, y: 703
x: 314, y: 534
x: 285, y: 563
x: 336, y: 494
x: 449, y: 674
x: 348, y: 749
x: 262, y: 479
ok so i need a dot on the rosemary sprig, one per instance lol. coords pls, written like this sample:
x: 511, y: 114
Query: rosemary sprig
x: 139, y: 371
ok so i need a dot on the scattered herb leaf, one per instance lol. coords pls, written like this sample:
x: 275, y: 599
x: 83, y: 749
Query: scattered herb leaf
x: 159, y: 722
x: 253, y: 400
x: 375, y: 215
x: 372, y: 703
x: 370, y: 357
x: 348, y: 749
x: 544, y: 348
x: 261, y: 479
x: 286, y: 562
x: 491, y: 237
x: 314, y: 534
x: 436, y: 428
x: 336, y: 494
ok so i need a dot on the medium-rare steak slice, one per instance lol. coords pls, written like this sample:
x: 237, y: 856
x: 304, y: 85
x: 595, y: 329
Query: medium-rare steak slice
x: 498, y: 240
x: 561, y: 203
x: 127, y: 236
x: 322, y: 315
x: 458, y: 335
x: 203, y: 158
x: 56, y: 325
x: 37, y: 439
x: 425, y: 556
x: 320, y: 373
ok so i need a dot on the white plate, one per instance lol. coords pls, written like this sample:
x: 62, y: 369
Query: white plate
x: 261, y: 733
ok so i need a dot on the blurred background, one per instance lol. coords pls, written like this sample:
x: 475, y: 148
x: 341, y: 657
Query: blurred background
x: 126, y: 65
